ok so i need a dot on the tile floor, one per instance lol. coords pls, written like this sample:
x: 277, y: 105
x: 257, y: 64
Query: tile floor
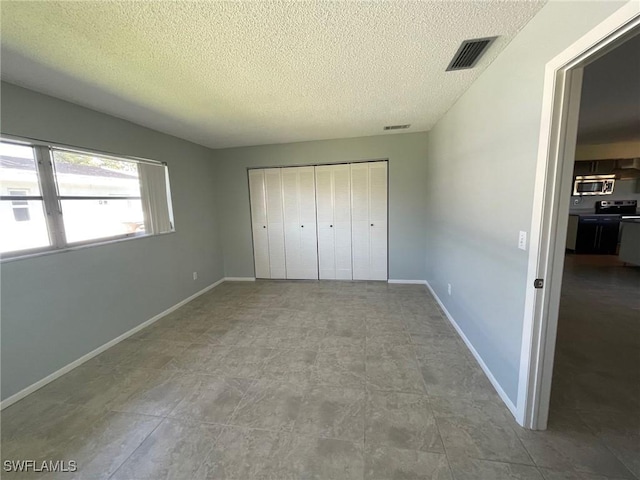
x: 299, y: 380
x: 596, y: 382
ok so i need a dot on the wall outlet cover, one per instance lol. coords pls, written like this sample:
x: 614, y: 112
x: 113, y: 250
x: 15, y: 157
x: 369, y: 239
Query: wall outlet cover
x: 522, y: 240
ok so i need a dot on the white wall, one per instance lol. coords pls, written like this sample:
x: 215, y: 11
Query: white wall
x: 482, y: 157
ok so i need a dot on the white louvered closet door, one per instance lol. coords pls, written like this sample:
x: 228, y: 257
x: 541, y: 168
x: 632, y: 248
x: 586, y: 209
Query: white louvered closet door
x: 259, y: 223
x: 369, y: 220
x: 378, y: 219
x: 360, y: 241
x: 275, y: 222
x: 300, y: 238
x: 333, y: 191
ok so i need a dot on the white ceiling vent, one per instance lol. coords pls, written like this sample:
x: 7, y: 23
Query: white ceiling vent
x: 469, y: 53
x: 397, y: 127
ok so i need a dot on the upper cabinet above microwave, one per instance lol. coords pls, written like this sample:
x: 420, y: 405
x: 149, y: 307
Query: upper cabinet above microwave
x: 594, y: 167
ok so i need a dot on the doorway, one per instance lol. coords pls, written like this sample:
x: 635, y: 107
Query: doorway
x: 554, y: 184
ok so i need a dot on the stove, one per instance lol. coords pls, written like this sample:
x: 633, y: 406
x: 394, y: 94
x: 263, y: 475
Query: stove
x: 617, y: 207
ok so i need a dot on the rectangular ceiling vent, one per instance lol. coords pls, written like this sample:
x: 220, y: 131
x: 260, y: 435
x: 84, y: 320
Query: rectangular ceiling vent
x: 396, y: 127
x: 469, y: 53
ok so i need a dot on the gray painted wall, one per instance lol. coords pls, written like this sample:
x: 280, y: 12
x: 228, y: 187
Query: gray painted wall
x: 482, y: 157
x: 58, y: 307
x: 407, y: 171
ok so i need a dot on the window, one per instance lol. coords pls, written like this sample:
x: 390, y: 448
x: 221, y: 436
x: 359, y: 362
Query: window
x: 23, y: 224
x: 54, y: 197
x: 20, y: 207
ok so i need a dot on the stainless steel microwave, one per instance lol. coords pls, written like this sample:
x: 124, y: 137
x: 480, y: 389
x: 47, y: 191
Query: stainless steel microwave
x: 594, y: 185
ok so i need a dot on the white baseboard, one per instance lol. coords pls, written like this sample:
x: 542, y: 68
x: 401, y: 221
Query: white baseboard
x: 408, y: 282
x: 76, y: 363
x: 505, y: 398
x: 239, y: 279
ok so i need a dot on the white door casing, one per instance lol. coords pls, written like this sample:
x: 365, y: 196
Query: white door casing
x: 556, y: 146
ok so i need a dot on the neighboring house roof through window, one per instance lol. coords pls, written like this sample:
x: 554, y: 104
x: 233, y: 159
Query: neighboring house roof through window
x: 18, y: 163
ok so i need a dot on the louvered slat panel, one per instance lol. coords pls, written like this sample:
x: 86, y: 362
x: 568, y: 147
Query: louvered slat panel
x: 259, y: 223
x: 378, y: 220
x: 291, y: 222
x: 308, y: 231
x: 257, y: 194
x: 360, y: 248
x: 342, y: 219
x: 324, y: 205
x: 324, y: 195
x: 275, y: 222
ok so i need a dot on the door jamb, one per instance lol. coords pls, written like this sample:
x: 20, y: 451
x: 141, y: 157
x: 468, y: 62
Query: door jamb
x: 554, y: 170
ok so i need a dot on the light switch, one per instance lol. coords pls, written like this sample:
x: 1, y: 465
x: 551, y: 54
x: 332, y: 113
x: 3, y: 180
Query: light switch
x: 522, y: 240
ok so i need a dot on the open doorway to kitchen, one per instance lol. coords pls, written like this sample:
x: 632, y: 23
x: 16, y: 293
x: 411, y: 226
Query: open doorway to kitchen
x: 587, y: 289
x: 596, y: 371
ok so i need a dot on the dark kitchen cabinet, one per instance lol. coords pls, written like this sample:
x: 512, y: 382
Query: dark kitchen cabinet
x: 597, y: 234
x: 594, y: 167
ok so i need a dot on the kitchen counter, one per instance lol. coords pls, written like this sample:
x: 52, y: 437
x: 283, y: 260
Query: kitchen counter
x: 630, y: 241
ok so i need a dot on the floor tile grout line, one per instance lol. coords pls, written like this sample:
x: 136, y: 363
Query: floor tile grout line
x: 367, y: 394
x: 435, y: 418
x: 605, y: 444
x: 139, y: 445
x: 253, y: 382
x: 368, y: 391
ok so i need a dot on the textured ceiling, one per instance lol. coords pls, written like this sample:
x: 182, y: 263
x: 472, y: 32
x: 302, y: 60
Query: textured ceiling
x: 248, y: 73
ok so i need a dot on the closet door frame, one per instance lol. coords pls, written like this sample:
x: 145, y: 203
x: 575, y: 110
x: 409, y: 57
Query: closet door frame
x: 319, y: 165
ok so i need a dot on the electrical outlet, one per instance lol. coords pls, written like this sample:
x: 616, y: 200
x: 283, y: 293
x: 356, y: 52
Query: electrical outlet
x: 522, y: 240
x: 449, y: 288
x: 195, y: 275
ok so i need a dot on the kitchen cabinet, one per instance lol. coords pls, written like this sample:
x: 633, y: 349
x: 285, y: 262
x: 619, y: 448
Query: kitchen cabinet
x: 572, y: 232
x: 594, y: 167
x: 597, y: 234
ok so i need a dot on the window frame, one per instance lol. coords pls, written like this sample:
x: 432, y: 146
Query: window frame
x: 51, y: 199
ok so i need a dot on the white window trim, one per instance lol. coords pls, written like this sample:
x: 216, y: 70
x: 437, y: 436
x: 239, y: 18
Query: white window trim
x: 52, y: 206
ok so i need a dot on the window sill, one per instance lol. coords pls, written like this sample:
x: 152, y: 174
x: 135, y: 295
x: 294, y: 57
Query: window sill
x: 81, y: 246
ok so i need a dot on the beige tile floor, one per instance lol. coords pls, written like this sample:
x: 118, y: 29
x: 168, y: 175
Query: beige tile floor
x: 300, y: 380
